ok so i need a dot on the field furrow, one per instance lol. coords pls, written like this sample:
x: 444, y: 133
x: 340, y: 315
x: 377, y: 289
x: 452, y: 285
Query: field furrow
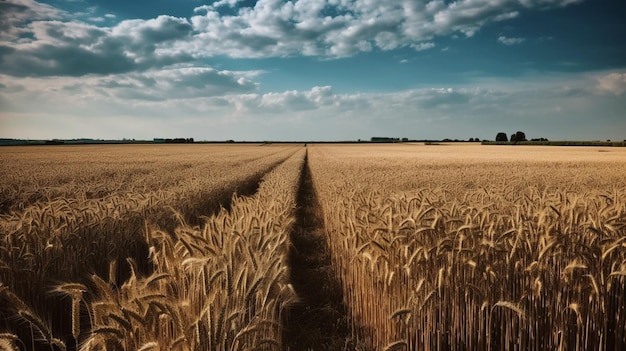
x: 318, y: 320
x: 324, y: 247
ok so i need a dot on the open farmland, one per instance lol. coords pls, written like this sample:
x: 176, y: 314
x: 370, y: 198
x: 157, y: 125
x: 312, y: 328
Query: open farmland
x: 103, y: 245
x: 233, y: 247
x: 477, y: 248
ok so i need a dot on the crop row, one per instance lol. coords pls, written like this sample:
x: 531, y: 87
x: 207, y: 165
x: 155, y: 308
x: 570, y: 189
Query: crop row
x: 34, y: 175
x: 222, y: 286
x: 473, y: 262
x: 59, y: 258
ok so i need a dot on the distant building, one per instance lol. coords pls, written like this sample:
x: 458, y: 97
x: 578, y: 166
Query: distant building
x: 173, y: 141
x: 384, y: 140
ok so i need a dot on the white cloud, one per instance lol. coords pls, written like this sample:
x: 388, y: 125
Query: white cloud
x: 151, y: 73
x: 614, y: 83
x: 74, y: 48
x: 229, y: 3
x: 150, y: 93
x: 506, y: 16
x: 210, y: 104
x: 342, y: 28
x: 40, y: 40
x: 510, y: 41
x: 423, y: 46
x: 287, y: 101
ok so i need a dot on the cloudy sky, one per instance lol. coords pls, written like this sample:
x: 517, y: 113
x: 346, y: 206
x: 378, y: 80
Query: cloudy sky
x: 312, y: 69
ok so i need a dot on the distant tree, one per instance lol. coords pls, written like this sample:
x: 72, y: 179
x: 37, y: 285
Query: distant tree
x: 519, y: 136
x: 471, y: 139
x: 501, y: 137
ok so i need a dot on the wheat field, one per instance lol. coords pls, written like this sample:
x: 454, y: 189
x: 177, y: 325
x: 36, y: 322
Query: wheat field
x: 101, y: 247
x: 435, y: 247
x: 450, y: 247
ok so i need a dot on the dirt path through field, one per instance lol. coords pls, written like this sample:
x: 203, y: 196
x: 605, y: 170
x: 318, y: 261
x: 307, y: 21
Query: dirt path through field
x: 318, y: 321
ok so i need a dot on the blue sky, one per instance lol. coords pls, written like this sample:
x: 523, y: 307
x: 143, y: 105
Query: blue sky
x: 313, y: 69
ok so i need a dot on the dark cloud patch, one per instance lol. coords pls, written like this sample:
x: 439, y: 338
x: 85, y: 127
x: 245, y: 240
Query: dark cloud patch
x: 65, y: 60
x: 335, y: 10
x: 8, y: 7
x: 179, y: 83
x: 57, y: 48
x: 70, y: 33
x: 8, y: 13
x: 6, y: 51
x: 15, y: 14
x: 252, y: 41
x: 46, y: 43
x: 111, y: 56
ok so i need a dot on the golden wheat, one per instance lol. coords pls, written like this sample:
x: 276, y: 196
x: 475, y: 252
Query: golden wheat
x: 441, y: 250
x: 436, y: 247
x: 221, y: 286
x: 71, y: 232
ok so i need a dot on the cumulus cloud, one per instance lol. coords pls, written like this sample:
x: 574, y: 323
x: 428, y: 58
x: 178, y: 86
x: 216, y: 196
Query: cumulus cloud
x: 443, y: 97
x: 286, y: 101
x: 343, y: 28
x: 39, y: 40
x: 187, y: 101
x: 14, y: 14
x: 423, y: 46
x: 162, y: 93
x: 614, y: 83
x: 53, y: 47
x: 510, y: 41
x: 400, y: 104
x: 178, y: 83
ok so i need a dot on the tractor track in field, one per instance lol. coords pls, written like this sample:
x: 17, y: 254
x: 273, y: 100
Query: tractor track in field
x: 319, y: 320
